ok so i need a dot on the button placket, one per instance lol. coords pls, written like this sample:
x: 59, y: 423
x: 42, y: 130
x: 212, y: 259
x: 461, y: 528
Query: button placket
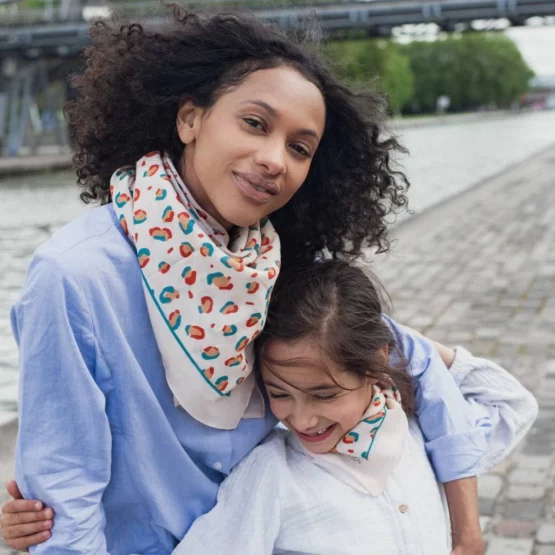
x: 396, y: 499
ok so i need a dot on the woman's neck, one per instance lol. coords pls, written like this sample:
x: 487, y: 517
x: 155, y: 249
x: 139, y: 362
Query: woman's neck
x: 199, y: 194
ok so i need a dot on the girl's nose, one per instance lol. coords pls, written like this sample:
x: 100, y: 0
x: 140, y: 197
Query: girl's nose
x: 304, y: 420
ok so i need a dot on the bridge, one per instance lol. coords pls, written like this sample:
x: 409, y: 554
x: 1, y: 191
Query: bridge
x: 40, y: 45
x: 31, y: 35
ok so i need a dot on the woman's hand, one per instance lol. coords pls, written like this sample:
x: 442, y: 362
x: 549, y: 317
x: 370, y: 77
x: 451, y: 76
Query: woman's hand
x: 24, y: 522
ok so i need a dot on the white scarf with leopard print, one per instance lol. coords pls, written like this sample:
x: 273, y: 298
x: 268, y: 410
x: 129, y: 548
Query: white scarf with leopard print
x: 207, y: 293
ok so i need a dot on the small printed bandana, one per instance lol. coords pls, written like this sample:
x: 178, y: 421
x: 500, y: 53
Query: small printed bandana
x: 367, y: 455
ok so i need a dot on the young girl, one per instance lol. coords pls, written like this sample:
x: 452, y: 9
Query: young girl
x: 351, y: 475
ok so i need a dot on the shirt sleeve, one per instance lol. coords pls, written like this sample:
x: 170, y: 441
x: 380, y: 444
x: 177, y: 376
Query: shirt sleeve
x: 494, y: 393
x: 246, y: 518
x: 456, y: 437
x: 63, y: 450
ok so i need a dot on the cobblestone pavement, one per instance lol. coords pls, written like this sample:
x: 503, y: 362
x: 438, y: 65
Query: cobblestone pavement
x: 479, y: 270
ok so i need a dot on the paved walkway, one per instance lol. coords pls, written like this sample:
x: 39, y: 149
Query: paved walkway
x: 479, y: 270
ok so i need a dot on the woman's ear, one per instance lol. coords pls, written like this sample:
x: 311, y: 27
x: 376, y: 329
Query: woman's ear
x: 189, y: 119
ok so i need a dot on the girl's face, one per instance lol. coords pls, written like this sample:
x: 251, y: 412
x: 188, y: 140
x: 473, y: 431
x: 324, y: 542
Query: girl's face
x: 318, y: 405
x: 249, y: 153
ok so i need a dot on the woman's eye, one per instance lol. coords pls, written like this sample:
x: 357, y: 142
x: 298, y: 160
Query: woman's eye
x: 301, y: 150
x: 257, y: 124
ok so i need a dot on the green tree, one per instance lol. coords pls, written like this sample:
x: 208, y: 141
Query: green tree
x: 473, y: 69
x: 376, y: 63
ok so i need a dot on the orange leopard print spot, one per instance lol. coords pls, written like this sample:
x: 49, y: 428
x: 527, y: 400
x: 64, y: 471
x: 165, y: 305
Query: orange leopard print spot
x: 210, y: 353
x: 206, y: 305
x: 195, y: 332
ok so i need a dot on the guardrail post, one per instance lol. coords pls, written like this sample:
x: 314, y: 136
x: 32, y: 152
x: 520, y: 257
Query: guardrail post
x: 25, y: 119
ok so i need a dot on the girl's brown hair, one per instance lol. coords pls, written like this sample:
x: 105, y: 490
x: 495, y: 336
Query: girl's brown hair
x: 339, y: 305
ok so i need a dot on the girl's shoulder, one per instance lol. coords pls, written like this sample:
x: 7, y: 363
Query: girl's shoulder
x: 269, y: 454
x: 262, y: 473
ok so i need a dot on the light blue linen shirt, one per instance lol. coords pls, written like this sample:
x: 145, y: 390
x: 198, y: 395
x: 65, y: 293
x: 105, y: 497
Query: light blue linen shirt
x: 100, y: 439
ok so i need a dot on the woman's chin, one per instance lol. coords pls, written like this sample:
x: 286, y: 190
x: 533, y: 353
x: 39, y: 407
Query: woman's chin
x: 239, y: 213
x: 241, y: 217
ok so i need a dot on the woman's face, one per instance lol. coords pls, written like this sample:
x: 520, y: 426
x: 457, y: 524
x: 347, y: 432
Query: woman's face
x: 318, y: 405
x: 249, y: 153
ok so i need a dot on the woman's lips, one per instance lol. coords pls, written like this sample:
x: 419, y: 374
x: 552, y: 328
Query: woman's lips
x: 315, y: 438
x: 254, y: 187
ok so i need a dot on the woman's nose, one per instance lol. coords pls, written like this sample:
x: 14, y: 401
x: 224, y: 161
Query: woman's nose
x: 272, y: 158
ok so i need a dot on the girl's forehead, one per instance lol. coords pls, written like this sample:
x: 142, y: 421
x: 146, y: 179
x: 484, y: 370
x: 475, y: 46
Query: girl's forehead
x: 302, y: 364
x: 304, y: 348
x: 300, y: 374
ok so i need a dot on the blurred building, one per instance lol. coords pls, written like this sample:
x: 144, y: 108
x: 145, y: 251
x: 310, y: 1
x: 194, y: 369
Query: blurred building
x: 542, y: 93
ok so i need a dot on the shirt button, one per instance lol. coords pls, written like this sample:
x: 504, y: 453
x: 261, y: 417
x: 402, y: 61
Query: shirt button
x: 218, y: 465
x: 403, y: 509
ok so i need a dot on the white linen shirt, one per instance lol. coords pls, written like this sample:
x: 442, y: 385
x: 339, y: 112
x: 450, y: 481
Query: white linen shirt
x: 276, y: 501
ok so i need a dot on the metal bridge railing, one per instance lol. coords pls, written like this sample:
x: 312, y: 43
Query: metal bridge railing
x: 12, y: 15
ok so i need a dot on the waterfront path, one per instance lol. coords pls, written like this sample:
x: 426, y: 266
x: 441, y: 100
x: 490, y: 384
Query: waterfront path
x: 60, y: 159
x: 479, y: 270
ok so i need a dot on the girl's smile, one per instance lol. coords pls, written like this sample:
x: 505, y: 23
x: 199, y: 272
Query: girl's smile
x: 320, y: 435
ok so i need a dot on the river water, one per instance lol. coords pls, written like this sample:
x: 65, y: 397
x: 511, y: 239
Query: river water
x: 445, y: 158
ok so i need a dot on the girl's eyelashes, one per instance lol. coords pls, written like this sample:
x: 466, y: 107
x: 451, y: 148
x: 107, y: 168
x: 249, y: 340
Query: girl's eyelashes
x: 328, y: 397
x: 325, y: 397
x: 277, y: 395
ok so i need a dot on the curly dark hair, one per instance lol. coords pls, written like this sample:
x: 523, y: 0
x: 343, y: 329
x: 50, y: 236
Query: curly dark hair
x: 137, y: 77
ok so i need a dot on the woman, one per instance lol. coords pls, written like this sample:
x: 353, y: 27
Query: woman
x: 189, y: 136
